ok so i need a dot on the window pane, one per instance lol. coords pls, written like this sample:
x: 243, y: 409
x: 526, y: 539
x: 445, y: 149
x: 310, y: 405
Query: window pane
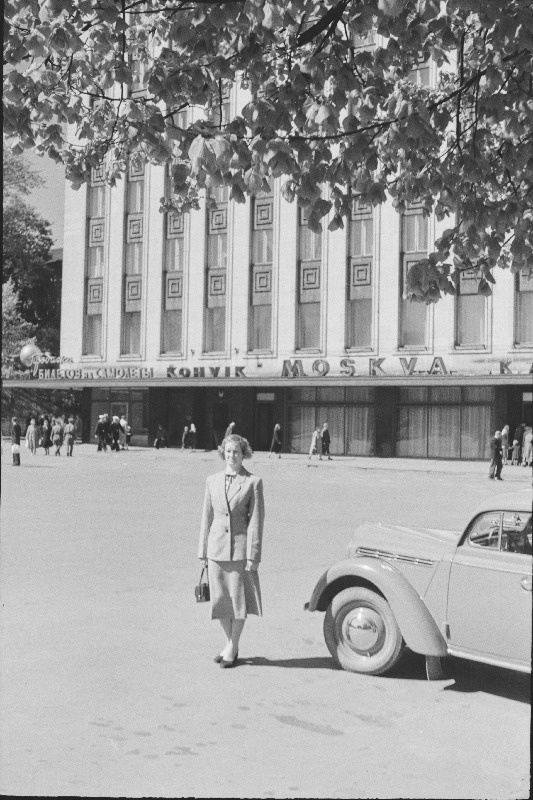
x: 475, y: 431
x: 413, y: 394
x: 305, y: 393
x: 172, y: 331
x: 444, y: 432
x: 409, y: 234
x: 308, y: 325
x: 445, y: 394
x: 470, y: 319
x: 478, y: 394
x: 93, y: 335
x: 516, y: 533
x: 411, y: 431
x: 95, y: 262
x: 413, y: 323
x: 360, y: 430
x: 134, y: 251
x: 359, y: 394
x: 330, y: 394
x: 174, y: 254
x: 524, y: 318
x: 215, y: 329
x: 260, y: 327
x: 301, y: 427
x: 132, y: 333
x: 359, y: 322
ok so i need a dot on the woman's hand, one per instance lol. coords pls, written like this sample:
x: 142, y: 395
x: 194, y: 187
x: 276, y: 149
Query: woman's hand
x: 203, y: 562
x: 251, y: 566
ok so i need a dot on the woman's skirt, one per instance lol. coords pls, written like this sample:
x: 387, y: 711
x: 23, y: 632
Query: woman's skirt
x: 235, y: 592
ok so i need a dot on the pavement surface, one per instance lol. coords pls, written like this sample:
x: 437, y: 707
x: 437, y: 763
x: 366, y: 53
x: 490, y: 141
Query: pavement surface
x: 108, y: 686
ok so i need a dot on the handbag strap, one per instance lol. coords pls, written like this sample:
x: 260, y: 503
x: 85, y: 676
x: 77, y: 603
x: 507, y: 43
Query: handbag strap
x: 204, y: 569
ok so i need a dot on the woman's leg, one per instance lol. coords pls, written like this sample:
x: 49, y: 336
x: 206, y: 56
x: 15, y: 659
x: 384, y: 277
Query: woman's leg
x: 226, y: 626
x: 236, y: 629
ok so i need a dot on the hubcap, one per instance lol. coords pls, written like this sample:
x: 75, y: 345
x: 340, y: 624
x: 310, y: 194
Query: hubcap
x: 363, y: 630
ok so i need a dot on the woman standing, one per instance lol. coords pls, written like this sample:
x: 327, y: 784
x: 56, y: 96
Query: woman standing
x: 31, y: 437
x: 275, y: 447
x: 57, y: 436
x: 505, y: 443
x: 231, y: 536
x: 316, y: 444
x: 46, y: 437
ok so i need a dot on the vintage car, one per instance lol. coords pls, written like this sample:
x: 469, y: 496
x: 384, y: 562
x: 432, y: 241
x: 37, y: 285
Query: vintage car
x: 438, y: 592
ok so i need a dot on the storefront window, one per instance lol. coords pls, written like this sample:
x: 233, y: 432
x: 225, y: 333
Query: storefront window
x: 360, y: 430
x: 444, y: 426
x: 411, y: 432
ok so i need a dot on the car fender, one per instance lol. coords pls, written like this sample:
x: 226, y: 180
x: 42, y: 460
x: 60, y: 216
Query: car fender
x: 418, y: 628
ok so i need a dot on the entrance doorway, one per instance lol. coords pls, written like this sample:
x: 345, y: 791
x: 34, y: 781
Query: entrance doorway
x: 264, y: 425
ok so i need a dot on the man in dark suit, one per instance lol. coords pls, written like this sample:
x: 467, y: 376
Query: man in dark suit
x: 496, y: 462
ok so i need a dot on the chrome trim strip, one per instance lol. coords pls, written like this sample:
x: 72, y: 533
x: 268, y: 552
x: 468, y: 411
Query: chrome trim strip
x: 374, y: 553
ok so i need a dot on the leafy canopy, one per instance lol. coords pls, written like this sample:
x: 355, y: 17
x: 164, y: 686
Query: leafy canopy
x: 322, y: 112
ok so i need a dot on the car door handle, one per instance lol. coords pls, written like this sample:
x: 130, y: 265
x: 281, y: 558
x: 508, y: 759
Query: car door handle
x: 526, y: 584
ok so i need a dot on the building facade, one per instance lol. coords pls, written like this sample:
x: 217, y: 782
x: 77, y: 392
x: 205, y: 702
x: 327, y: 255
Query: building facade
x: 239, y: 312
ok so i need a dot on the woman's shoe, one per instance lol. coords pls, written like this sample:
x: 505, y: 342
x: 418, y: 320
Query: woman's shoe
x: 227, y: 664
x: 218, y: 659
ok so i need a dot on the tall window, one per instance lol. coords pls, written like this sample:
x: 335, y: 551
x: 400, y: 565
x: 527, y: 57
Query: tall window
x: 174, y: 254
x: 309, y: 267
x: 524, y: 308
x: 94, y: 264
x: 359, y: 277
x: 420, y: 74
x: 260, y: 308
x: 216, y: 272
x: 132, y: 279
x: 413, y: 315
x: 218, y: 109
x: 470, y: 312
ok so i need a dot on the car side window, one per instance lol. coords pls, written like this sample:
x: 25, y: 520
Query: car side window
x: 485, y: 531
x: 516, y: 532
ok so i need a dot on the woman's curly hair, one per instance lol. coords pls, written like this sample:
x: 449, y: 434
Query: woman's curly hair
x: 233, y: 437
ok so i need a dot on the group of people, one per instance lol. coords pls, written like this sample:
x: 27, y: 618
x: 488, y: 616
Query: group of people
x: 520, y: 451
x: 320, y: 443
x: 113, y: 431
x: 188, y: 437
x: 44, y: 432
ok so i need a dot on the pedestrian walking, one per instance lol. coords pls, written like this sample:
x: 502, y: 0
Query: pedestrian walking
x: 160, y: 437
x: 122, y: 438
x: 231, y: 535
x: 276, y: 444
x: 100, y: 434
x: 527, y: 447
x: 69, y: 435
x: 505, y: 443
x: 114, y: 430
x: 15, y: 441
x: 184, y: 437
x: 46, y: 437
x: 192, y: 437
x: 516, y: 453
x: 496, y: 457
x: 129, y: 434
x: 230, y: 429
x: 57, y: 436
x: 31, y: 437
x: 326, y: 441
x: 316, y: 444
x: 107, y: 429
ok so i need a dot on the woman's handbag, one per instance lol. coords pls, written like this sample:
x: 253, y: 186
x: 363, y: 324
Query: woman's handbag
x: 201, y: 591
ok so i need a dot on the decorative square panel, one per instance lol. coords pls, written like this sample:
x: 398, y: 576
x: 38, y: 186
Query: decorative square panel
x: 173, y: 290
x: 134, y: 228
x: 310, y: 278
x: 95, y: 295
x: 361, y: 274
x: 96, y: 232
x: 132, y: 293
x: 217, y: 284
x: 218, y: 220
x: 136, y: 170
x: 263, y: 214
x: 97, y: 175
x: 174, y: 285
x: 175, y: 225
x: 468, y: 282
x: 262, y: 281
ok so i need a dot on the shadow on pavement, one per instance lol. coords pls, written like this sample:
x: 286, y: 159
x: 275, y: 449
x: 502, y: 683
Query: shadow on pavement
x: 291, y: 663
x: 470, y: 676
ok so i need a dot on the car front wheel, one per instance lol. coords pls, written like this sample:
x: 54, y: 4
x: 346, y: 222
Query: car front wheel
x: 361, y: 632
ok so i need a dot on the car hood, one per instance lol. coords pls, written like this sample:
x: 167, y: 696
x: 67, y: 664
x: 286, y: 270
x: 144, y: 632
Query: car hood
x: 390, y: 541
